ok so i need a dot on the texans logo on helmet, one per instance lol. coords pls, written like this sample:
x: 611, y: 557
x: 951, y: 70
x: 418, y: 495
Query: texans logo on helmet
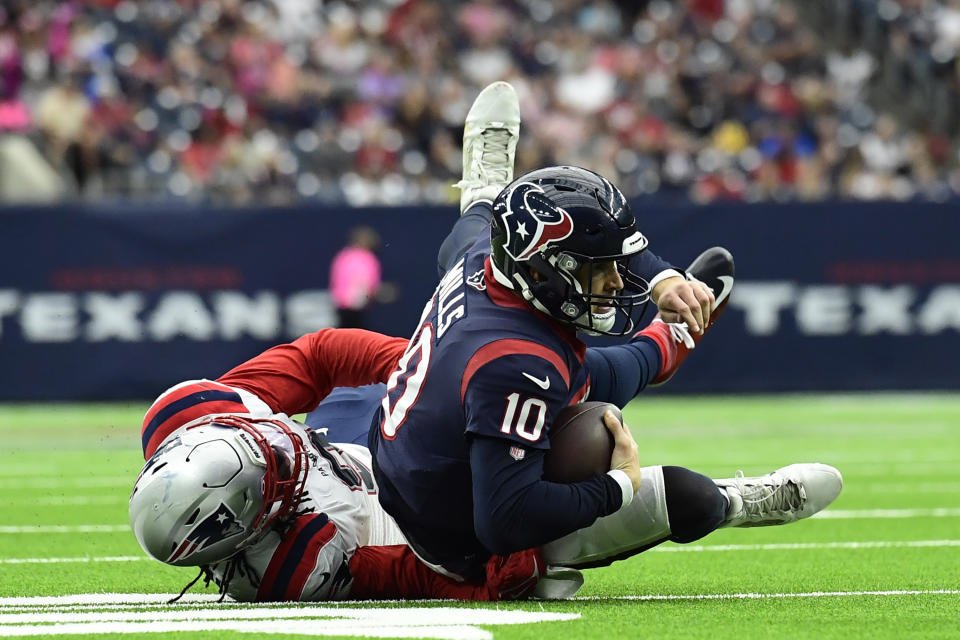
x: 476, y: 281
x: 219, y: 525
x: 532, y: 221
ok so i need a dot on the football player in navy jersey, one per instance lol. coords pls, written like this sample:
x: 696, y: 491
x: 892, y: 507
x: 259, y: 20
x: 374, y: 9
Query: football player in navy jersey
x: 463, y: 477
x: 459, y: 441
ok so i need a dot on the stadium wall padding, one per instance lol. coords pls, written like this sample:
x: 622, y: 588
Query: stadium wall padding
x: 121, y: 302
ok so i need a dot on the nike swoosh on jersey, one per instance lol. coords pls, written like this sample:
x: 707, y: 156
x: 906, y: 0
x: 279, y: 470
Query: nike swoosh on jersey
x: 727, y: 286
x: 543, y: 384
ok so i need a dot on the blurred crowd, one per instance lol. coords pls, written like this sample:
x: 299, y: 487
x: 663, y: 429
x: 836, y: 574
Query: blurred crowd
x: 278, y: 101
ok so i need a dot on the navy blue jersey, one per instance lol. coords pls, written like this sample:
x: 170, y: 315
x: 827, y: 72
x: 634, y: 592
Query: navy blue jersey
x: 485, y: 368
x: 345, y: 414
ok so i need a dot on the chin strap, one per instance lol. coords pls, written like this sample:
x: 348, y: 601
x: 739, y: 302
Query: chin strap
x: 187, y: 588
x: 206, y: 572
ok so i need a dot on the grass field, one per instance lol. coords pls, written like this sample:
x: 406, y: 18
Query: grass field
x: 883, y: 562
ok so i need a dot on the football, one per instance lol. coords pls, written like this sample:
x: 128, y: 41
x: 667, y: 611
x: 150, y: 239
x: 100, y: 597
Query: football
x: 580, y: 444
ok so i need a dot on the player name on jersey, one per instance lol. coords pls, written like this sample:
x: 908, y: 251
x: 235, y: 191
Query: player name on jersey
x: 451, y: 302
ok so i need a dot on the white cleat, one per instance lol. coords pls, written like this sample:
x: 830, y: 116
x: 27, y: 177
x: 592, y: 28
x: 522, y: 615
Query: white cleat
x: 792, y: 493
x: 490, y: 136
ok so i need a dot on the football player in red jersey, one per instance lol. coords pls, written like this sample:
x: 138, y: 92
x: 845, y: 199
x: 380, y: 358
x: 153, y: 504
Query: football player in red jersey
x: 269, y: 508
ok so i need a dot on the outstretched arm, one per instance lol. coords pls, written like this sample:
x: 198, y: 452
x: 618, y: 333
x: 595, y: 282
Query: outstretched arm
x: 619, y: 372
x: 293, y: 378
x: 290, y: 378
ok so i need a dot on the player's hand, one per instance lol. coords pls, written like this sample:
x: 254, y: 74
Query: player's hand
x: 514, y: 577
x: 682, y: 300
x: 626, y: 454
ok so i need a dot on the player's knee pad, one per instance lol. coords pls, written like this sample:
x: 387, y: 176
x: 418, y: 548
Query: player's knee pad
x: 638, y: 526
x: 695, y: 505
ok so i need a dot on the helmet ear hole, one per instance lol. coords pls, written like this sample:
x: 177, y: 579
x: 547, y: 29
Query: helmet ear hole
x: 283, y: 461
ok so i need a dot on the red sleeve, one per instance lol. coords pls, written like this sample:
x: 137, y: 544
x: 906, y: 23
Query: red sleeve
x: 293, y: 378
x: 395, y: 572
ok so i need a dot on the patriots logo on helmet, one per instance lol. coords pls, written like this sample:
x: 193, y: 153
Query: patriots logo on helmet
x: 532, y: 221
x: 219, y: 525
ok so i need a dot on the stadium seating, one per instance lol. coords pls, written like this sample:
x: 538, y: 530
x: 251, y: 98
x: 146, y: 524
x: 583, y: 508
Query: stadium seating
x: 272, y: 102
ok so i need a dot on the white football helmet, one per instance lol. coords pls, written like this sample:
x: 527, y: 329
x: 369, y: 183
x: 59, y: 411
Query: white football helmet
x: 216, y: 486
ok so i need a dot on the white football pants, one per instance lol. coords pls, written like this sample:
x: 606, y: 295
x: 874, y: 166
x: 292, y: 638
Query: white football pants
x: 641, y: 523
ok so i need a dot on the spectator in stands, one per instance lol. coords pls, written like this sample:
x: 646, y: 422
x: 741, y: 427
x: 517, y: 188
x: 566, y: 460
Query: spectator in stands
x: 273, y: 101
x: 355, y: 277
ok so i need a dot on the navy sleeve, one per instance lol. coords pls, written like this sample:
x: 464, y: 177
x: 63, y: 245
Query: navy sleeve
x: 515, y: 397
x: 515, y: 509
x: 648, y: 264
x: 347, y: 412
x: 509, y: 404
x: 618, y: 373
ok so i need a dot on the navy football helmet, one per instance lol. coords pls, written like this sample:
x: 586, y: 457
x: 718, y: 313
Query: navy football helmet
x: 556, y: 226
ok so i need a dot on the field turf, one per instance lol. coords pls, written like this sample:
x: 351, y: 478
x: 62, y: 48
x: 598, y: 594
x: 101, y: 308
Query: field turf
x: 882, y: 562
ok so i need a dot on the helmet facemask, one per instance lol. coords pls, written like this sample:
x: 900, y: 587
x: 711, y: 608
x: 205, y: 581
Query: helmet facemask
x: 285, y: 459
x: 591, y: 312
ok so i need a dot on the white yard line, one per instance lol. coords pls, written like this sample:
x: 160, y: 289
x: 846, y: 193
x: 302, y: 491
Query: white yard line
x: 349, y: 628
x: 65, y: 501
x: 912, y: 488
x: 78, y: 559
x: 94, y: 599
x: 68, y: 482
x: 759, y: 596
x: 679, y: 548
x: 65, y: 528
x: 439, y: 615
x: 841, y: 514
x: 797, y: 546
x: 940, y: 469
x: 57, y: 605
x: 836, y: 514
x: 454, y: 623
x: 124, y: 613
x: 861, y: 470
